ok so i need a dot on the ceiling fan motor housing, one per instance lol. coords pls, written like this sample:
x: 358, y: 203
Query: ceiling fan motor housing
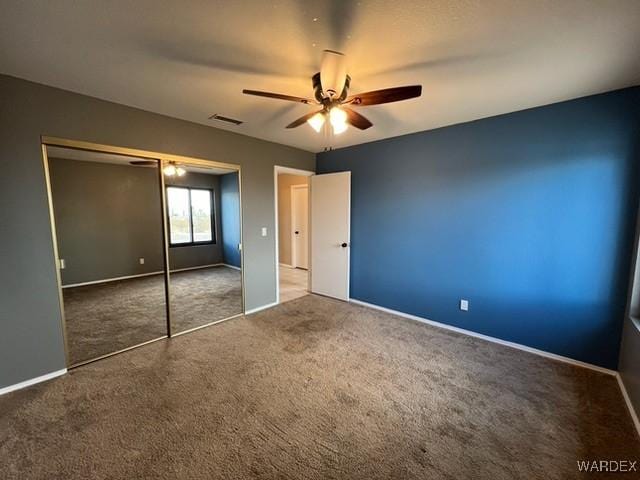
x: 330, y: 98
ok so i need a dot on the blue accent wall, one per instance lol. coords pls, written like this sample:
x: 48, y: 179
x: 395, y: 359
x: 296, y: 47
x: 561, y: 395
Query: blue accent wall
x: 530, y: 216
x: 230, y: 218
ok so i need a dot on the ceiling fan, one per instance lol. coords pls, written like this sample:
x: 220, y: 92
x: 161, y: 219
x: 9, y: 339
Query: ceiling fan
x: 144, y: 163
x: 331, y: 92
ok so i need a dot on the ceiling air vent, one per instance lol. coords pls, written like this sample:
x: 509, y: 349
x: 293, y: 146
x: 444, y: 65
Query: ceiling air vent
x: 215, y: 116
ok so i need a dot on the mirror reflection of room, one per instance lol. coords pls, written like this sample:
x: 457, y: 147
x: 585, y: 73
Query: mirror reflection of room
x: 108, y: 221
x: 203, y: 212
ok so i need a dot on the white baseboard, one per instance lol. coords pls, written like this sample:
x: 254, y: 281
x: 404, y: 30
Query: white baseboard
x: 259, y: 309
x: 506, y: 343
x: 115, y: 279
x: 33, y: 381
x: 160, y: 272
x: 231, y: 266
x: 198, y: 267
x: 627, y: 400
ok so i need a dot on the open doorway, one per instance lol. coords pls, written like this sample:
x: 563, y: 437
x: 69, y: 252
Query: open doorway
x: 293, y: 233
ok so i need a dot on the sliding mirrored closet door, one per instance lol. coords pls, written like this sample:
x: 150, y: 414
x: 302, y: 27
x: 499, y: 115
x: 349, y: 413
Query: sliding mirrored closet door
x: 107, y: 212
x: 203, y: 219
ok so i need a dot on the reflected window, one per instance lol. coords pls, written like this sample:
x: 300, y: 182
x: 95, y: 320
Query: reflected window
x: 191, y: 217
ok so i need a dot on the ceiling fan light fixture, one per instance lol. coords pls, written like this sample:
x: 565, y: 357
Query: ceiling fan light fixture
x: 170, y: 170
x: 317, y: 121
x: 338, y: 119
x: 337, y: 130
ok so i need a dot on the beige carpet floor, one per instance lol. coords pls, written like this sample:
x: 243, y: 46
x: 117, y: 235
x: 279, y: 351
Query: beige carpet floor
x: 108, y: 317
x: 317, y: 389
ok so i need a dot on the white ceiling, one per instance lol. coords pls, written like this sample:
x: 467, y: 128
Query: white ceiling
x: 89, y: 156
x: 474, y: 58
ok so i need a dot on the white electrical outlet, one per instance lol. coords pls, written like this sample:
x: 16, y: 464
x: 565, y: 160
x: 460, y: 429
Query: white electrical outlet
x: 464, y: 305
x: 62, y: 264
x: 141, y: 260
x: 264, y: 231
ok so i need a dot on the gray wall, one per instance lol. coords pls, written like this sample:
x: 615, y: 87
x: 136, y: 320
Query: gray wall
x: 107, y: 217
x: 31, y: 341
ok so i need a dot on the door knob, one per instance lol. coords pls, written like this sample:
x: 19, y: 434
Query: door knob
x: 344, y: 245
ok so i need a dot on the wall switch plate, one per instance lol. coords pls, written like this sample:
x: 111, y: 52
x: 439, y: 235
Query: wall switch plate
x: 464, y: 305
x: 264, y: 231
x: 141, y: 260
x: 62, y: 264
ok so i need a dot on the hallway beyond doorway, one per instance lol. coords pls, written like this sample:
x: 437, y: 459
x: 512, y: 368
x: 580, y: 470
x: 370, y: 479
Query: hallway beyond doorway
x: 293, y: 283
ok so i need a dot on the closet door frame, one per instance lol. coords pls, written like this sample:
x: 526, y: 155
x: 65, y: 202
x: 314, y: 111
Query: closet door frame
x: 162, y: 159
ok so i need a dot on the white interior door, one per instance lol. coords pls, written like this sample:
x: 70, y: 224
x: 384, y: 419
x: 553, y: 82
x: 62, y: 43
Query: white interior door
x: 330, y: 234
x: 300, y: 226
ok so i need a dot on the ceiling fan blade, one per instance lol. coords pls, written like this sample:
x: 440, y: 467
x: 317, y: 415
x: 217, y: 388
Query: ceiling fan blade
x: 357, y: 120
x: 386, y: 95
x: 302, y: 120
x: 278, y: 96
x: 143, y: 163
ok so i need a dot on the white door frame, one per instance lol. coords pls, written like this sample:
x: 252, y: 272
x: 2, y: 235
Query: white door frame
x: 277, y: 170
x: 294, y: 209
